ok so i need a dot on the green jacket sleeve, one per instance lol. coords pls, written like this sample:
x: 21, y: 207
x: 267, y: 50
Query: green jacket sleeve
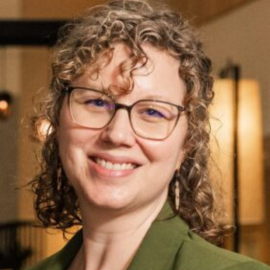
x: 248, y: 266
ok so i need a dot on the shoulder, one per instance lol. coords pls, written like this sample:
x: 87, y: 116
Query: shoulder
x: 45, y: 264
x: 62, y: 259
x: 196, y: 253
x: 170, y: 238
x: 248, y: 266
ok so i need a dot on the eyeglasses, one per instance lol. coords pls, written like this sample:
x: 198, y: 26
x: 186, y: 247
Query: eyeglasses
x: 149, y: 119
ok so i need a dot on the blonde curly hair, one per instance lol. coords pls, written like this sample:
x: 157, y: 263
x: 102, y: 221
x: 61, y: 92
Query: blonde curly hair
x: 82, y: 44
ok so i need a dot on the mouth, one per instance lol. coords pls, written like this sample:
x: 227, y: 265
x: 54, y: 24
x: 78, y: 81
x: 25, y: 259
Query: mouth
x: 114, y: 166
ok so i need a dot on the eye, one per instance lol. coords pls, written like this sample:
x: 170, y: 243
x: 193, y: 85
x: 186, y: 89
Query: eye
x: 99, y: 103
x: 96, y: 102
x: 153, y: 113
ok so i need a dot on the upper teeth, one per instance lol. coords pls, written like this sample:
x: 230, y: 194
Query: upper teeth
x: 114, y: 166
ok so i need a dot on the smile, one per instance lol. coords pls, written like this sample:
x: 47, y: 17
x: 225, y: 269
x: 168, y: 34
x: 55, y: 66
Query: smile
x: 114, y: 166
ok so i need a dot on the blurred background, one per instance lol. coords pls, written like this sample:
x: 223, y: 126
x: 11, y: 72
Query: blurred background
x: 236, y: 36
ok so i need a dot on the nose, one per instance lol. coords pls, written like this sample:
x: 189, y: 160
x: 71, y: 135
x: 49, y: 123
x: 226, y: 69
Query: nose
x: 119, y: 131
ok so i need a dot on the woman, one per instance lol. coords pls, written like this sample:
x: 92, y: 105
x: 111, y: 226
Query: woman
x: 128, y: 151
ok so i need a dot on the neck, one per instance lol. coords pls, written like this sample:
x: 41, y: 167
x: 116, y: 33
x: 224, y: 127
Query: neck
x: 109, y: 233
x: 111, y: 224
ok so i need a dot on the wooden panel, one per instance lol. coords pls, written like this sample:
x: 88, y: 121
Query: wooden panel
x: 55, y: 9
x: 200, y: 10
x: 203, y: 10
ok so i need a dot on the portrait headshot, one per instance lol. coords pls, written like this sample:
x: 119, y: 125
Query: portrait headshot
x: 125, y: 161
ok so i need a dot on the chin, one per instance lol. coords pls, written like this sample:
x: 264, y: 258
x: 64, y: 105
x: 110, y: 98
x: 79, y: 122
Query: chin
x: 110, y: 202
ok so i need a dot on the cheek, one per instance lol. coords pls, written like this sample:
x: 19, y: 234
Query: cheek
x: 74, y: 143
x: 69, y: 145
x: 73, y: 156
x: 68, y: 135
x: 70, y: 141
x: 164, y: 158
x: 68, y: 150
x: 170, y: 150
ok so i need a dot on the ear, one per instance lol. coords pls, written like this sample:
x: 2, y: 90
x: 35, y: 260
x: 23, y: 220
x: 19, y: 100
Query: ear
x: 181, y: 158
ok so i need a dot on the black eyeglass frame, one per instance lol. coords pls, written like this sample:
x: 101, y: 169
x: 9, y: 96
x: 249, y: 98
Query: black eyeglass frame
x: 68, y: 90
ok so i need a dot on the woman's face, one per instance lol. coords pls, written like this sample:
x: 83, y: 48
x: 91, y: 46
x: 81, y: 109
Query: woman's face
x: 92, y: 158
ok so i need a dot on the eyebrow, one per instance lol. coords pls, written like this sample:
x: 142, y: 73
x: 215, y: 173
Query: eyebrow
x: 159, y: 97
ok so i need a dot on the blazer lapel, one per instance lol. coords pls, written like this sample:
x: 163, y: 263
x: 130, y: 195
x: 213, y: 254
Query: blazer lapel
x: 64, y: 257
x: 161, y: 243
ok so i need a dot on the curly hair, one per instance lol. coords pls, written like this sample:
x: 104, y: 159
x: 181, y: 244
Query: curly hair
x: 82, y: 44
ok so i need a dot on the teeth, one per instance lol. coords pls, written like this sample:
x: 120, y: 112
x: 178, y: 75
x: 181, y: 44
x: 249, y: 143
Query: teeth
x: 114, y: 166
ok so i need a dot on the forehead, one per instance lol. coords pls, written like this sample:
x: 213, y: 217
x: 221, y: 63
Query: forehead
x: 159, y: 76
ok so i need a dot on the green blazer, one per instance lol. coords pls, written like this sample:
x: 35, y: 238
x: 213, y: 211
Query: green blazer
x: 168, y: 245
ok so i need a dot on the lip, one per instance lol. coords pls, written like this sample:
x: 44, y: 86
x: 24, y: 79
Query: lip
x: 105, y: 172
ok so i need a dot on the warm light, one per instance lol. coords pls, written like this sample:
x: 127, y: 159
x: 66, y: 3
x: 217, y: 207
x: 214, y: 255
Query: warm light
x: 250, y: 149
x: 222, y: 141
x: 3, y: 105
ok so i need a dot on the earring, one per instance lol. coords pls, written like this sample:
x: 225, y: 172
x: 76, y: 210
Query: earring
x: 177, y: 191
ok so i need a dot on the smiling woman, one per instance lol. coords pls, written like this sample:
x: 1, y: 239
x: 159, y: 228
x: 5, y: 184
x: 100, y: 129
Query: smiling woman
x: 127, y: 153
x: 93, y: 157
